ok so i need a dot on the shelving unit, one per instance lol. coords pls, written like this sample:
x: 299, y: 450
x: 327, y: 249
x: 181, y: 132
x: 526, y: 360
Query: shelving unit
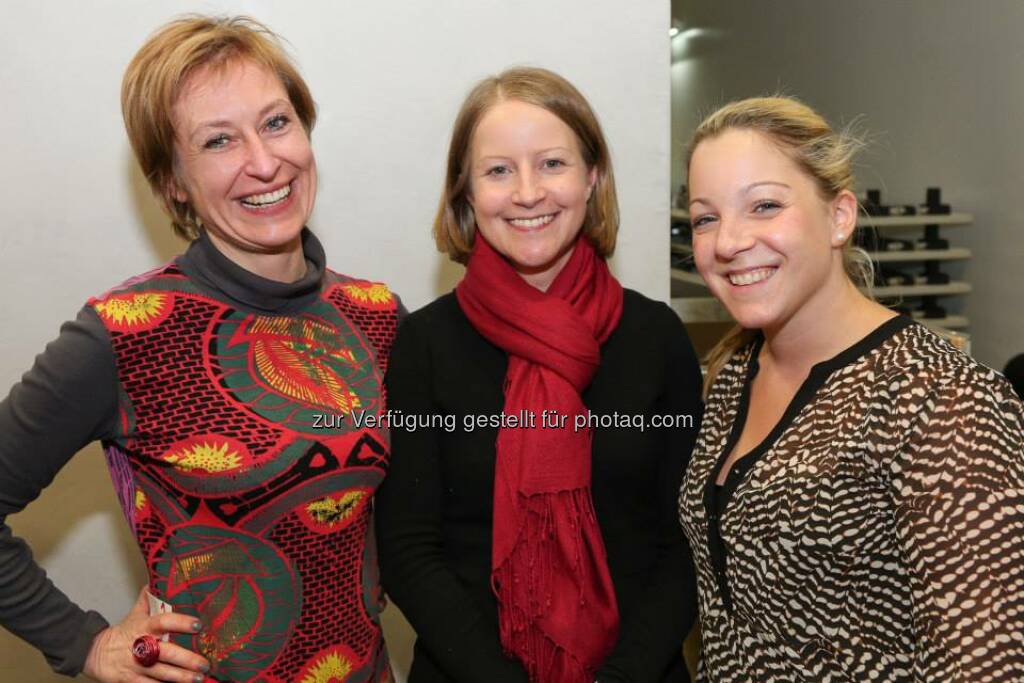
x: 703, y: 309
x: 954, y: 254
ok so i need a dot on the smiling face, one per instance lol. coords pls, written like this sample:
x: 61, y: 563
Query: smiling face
x: 244, y: 161
x: 764, y: 239
x: 529, y: 188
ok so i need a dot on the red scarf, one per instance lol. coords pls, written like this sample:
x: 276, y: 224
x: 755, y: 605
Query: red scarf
x: 549, y: 570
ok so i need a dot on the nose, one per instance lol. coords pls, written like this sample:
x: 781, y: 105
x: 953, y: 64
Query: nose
x: 262, y: 162
x: 733, y: 236
x: 529, y: 190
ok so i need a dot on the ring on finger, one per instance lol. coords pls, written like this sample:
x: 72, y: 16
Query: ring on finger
x: 146, y: 650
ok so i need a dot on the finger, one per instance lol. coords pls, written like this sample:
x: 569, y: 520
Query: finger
x: 174, y: 674
x: 141, y: 678
x: 184, y: 658
x: 173, y: 622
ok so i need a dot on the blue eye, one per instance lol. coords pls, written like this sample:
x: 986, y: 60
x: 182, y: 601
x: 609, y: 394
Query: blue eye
x: 216, y: 142
x: 498, y: 170
x: 278, y: 122
x: 553, y: 163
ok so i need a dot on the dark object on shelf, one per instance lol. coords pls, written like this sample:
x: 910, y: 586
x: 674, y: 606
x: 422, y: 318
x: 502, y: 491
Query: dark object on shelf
x: 865, y: 238
x: 681, y: 232
x: 930, y: 311
x: 933, y: 243
x: 889, y: 277
x: 1014, y: 372
x: 933, y: 205
x: 893, y: 244
x: 873, y: 206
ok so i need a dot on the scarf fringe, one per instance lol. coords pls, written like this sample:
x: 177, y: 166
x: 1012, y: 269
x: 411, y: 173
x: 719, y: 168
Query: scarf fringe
x: 524, y: 586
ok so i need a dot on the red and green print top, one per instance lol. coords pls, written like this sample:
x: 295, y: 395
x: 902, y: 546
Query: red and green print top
x: 243, y: 464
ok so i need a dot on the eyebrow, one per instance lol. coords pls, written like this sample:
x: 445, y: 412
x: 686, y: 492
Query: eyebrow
x: 745, y: 190
x: 223, y: 123
x: 751, y: 186
x: 537, y: 153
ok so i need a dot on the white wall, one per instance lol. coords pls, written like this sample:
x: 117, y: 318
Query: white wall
x: 388, y: 77
x: 939, y: 85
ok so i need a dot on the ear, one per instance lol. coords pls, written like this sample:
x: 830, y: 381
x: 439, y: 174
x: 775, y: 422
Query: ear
x: 175, y: 190
x: 591, y: 181
x: 843, y: 211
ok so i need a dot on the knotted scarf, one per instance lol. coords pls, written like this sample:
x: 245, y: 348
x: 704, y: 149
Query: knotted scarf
x: 549, y: 570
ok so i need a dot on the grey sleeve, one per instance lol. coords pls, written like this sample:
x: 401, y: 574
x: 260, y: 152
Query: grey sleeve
x: 67, y: 400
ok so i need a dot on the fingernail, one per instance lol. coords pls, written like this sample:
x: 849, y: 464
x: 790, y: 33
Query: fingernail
x: 204, y: 667
x: 199, y: 678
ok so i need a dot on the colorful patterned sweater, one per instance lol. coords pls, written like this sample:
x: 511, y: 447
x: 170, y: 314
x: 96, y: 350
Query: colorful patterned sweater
x: 233, y: 442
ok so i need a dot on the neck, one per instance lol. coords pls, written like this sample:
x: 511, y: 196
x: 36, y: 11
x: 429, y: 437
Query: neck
x: 288, y: 264
x: 835, y: 318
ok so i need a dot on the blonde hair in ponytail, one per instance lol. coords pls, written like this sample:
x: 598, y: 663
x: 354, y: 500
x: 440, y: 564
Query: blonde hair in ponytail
x: 825, y: 155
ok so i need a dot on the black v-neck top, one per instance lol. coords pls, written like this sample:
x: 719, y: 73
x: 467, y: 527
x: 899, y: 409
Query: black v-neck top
x: 870, y: 535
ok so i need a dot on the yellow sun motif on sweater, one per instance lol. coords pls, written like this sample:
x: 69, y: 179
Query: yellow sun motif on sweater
x: 332, y: 668
x: 334, y: 512
x: 210, y: 457
x: 370, y: 292
x: 131, y: 312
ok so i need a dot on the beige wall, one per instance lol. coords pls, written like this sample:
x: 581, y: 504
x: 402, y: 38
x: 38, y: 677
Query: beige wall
x: 388, y: 78
x: 938, y: 86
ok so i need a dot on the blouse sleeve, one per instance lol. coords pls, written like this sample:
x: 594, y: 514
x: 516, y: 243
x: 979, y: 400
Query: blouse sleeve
x: 67, y: 400
x: 958, y: 490
x: 449, y: 626
x: 654, y: 632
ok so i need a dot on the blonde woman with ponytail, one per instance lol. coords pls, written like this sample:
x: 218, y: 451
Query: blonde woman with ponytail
x: 855, y: 496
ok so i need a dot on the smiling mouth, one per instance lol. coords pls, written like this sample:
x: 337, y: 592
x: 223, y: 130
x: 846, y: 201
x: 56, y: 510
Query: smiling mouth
x: 752, y: 277
x: 535, y: 222
x: 266, y: 199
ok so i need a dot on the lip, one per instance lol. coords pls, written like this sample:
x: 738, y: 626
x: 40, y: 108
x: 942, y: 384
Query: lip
x: 273, y: 209
x: 728, y: 275
x: 554, y: 216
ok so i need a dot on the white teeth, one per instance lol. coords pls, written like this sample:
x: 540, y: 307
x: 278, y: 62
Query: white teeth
x: 268, y: 198
x: 532, y: 222
x: 749, y: 277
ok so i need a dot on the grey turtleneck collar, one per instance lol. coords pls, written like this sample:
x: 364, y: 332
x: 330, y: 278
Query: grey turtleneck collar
x: 224, y: 279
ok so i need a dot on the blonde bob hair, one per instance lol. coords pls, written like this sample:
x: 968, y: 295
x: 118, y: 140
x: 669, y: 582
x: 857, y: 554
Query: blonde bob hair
x: 824, y: 155
x: 455, y: 224
x: 159, y: 72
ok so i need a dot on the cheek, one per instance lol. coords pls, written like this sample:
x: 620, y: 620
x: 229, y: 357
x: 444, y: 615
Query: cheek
x: 703, y: 251
x: 487, y: 202
x: 571, y: 193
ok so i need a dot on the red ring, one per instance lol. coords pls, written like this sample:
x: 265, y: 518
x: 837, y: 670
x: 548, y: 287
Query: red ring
x: 146, y: 650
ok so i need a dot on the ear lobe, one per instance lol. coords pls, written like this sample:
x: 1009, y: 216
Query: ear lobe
x: 591, y: 181
x: 176, y: 192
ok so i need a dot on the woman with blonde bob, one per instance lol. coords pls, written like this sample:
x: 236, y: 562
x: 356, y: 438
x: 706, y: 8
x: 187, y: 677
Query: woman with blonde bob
x: 204, y: 379
x: 535, y: 541
x: 854, y: 502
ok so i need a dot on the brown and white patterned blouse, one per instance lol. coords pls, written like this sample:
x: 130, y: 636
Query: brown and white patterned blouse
x: 876, y: 534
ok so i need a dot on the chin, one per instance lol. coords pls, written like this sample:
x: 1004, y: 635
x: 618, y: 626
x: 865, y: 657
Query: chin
x: 751, y: 317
